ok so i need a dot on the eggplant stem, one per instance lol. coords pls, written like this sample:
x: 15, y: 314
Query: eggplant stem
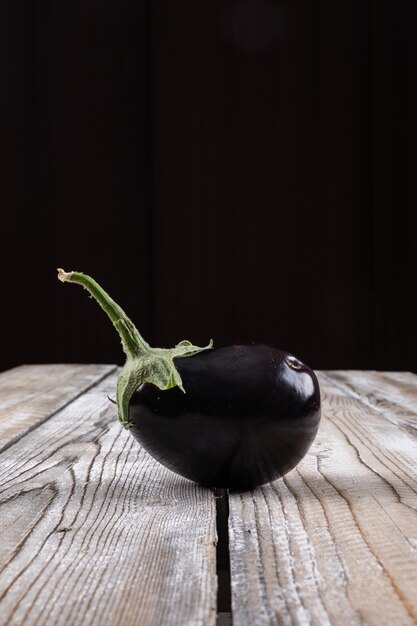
x: 143, y: 363
x: 133, y: 343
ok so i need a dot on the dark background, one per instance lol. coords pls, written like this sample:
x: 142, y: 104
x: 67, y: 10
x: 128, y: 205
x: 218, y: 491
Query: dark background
x: 243, y: 170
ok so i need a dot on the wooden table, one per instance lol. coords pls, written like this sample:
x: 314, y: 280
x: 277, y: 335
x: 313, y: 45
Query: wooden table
x: 95, y: 532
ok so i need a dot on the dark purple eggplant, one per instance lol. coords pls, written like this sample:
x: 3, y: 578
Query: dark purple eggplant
x: 249, y: 416
x: 234, y: 417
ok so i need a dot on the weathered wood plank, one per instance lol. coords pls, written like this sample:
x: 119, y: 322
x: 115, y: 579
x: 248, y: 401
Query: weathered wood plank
x: 335, y: 541
x: 95, y: 532
x: 29, y: 394
x: 392, y: 393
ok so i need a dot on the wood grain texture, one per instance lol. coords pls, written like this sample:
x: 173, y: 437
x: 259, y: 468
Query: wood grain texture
x: 29, y: 394
x: 95, y: 532
x: 392, y: 393
x: 335, y: 541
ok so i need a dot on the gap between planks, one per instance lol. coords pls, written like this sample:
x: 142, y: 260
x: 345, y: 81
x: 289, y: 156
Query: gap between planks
x: 328, y: 522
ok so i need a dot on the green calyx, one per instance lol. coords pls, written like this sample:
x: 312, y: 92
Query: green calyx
x: 143, y: 363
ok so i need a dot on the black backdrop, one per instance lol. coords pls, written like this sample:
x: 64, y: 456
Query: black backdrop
x: 240, y: 170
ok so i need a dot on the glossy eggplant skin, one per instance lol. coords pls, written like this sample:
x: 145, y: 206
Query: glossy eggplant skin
x: 249, y: 415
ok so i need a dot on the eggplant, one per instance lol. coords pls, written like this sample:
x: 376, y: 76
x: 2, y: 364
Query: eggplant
x: 232, y: 417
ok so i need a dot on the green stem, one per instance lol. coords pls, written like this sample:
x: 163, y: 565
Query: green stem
x: 133, y: 343
x: 143, y: 363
